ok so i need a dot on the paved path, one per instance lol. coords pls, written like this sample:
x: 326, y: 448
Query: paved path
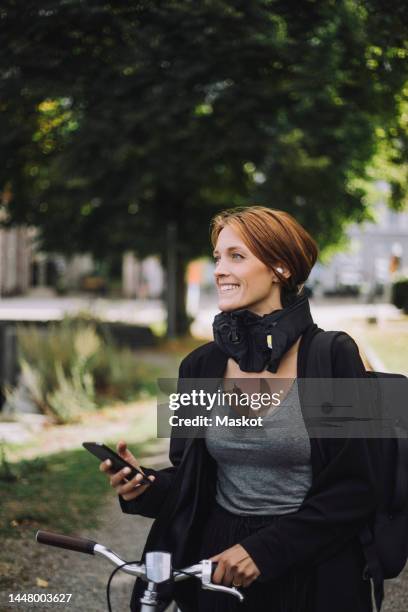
x: 396, y: 593
x: 327, y: 312
x: 31, y: 308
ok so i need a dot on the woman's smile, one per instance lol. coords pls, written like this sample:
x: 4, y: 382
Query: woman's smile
x: 242, y: 280
x: 228, y: 287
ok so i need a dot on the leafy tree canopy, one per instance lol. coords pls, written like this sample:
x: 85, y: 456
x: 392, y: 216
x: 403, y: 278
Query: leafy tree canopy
x: 118, y: 118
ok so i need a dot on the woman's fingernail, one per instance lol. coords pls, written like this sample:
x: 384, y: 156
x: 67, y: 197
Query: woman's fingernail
x: 108, y: 462
x: 127, y: 470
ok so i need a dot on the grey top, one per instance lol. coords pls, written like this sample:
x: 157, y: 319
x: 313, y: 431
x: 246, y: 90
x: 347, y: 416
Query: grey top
x: 263, y: 470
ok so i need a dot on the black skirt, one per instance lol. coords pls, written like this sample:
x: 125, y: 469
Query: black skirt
x: 293, y: 592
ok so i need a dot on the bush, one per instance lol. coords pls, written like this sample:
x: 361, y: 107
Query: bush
x: 70, y: 367
x: 399, y: 294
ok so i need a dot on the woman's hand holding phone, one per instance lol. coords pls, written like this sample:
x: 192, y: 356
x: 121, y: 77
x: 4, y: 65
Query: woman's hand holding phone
x: 127, y: 489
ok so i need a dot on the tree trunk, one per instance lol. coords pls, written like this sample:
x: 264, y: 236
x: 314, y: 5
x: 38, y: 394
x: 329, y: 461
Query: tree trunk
x: 182, y: 319
x: 177, y: 318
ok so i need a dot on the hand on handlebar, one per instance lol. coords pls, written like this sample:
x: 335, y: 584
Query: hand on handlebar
x: 146, y: 571
x: 235, y: 567
x: 128, y: 489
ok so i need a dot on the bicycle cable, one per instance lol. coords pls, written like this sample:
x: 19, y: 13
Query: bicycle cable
x: 119, y: 567
x: 186, y: 573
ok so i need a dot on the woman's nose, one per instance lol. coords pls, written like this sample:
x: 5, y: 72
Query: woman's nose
x: 220, y: 269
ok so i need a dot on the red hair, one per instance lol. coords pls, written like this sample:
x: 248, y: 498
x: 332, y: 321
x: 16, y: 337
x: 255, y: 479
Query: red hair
x: 274, y: 237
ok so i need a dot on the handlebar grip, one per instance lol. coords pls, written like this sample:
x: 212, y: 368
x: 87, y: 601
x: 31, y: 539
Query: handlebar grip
x: 63, y: 541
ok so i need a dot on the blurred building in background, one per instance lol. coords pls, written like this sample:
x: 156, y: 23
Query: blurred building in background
x: 25, y: 269
x: 16, y: 255
x: 142, y: 278
x: 377, y: 252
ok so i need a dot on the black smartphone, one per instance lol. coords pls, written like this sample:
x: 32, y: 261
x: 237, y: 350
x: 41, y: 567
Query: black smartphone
x: 103, y: 452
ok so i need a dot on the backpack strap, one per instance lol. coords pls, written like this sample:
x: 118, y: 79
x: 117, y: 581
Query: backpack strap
x: 320, y: 354
x: 373, y: 567
x: 399, y: 501
x: 320, y: 365
x: 399, y: 498
x: 320, y: 362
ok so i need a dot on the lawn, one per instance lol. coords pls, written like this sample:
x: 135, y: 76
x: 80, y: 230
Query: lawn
x: 61, y: 492
x: 43, y: 486
x: 392, y: 349
x: 390, y: 343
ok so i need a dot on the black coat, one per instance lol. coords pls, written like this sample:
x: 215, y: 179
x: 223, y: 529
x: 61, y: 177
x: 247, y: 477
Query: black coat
x: 321, y: 534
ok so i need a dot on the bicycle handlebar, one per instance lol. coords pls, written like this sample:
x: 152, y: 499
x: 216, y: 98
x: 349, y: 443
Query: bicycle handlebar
x: 63, y: 541
x: 202, y: 570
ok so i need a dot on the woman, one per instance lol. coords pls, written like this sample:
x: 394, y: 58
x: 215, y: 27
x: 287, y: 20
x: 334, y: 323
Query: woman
x: 280, y: 523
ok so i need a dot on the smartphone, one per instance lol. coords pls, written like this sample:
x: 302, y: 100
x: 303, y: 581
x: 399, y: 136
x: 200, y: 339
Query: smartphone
x: 103, y: 452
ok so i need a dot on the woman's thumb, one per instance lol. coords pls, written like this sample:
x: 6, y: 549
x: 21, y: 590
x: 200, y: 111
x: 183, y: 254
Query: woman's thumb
x: 125, y: 453
x: 121, y: 447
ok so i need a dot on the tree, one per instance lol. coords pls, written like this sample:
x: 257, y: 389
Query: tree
x: 122, y: 119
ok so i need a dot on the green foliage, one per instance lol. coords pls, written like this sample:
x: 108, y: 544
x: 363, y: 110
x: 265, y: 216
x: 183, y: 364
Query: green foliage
x: 73, y: 395
x: 118, y: 373
x: 60, y: 492
x: 118, y: 118
x: 7, y: 473
x: 69, y: 368
x: 62, y: 343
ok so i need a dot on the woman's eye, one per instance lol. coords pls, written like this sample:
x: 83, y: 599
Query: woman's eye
x: 216, y: 258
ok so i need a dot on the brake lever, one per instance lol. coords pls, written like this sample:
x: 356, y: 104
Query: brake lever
x: 207, y: 569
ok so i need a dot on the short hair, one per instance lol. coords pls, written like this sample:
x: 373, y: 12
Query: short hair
x: 274, y: 237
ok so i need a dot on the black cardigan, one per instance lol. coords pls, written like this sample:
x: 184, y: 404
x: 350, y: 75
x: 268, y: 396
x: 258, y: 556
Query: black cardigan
x: 321, y: 534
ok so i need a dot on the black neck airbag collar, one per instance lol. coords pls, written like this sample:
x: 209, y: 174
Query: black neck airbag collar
x: 256, y: 342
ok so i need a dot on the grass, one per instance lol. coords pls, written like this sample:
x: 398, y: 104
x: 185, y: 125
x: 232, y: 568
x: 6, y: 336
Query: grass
x: 390, y: 345
x: 135, y: 422
x: 181, y: 346
x: 392, y: 349
x: 75, y: 367
x: 62, y: 492
x: 162, y: 360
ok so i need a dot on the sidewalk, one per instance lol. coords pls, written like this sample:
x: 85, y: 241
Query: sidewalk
x: 346, y: 314
x: 33, y: 308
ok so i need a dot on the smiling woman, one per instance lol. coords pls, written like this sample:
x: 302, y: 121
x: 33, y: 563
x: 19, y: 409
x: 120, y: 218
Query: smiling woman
x: 263, y: 258
x: 278, y: 521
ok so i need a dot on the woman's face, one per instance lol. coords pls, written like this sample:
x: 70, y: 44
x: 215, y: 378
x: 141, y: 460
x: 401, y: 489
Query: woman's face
x: 243, y: 280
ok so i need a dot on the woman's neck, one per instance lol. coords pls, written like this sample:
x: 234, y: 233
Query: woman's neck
x: 265, y: 310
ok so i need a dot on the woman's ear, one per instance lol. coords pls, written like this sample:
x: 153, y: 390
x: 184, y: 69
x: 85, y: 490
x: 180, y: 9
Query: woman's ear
x: 281, y: 271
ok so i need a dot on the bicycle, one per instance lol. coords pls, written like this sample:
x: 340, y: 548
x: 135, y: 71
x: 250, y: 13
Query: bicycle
x: 156, y: 569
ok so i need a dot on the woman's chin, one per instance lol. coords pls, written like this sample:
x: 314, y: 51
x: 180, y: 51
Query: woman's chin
x: 226, y: 305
